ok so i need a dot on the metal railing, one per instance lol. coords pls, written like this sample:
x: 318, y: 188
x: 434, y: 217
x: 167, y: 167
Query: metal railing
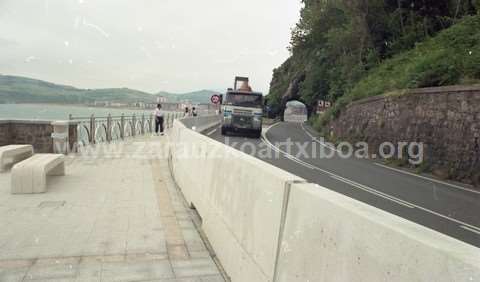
x: 92, y: 130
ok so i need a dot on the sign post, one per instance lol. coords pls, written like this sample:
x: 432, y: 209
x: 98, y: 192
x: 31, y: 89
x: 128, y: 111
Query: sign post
x: 216, y: 100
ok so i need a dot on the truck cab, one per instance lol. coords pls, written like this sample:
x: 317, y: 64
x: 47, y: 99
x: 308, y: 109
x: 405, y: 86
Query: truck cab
x: 242, y: 109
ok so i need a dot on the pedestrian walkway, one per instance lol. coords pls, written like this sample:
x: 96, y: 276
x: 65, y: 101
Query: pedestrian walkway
x: 116, y: 216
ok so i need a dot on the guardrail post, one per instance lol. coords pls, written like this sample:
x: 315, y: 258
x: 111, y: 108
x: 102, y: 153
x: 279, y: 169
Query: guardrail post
x: 143, y: 124
x: 92, y: 129
x: 152, y: 123
x: 60, y: 137
x: 122, y: 127
x: 149, y: 122
x: 134, y: 125
x: 109, y: 128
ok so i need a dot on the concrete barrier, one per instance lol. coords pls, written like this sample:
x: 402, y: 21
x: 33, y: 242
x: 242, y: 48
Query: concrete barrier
x: 268, y: 225
x: 239, y: 198
x: 201, y: 123
x: 330, y: 237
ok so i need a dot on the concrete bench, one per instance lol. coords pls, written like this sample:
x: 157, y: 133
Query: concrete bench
x: 12, y: 154
x: 30, y: 175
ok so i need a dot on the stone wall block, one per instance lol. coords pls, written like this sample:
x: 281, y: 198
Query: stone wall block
x: 445, y: 118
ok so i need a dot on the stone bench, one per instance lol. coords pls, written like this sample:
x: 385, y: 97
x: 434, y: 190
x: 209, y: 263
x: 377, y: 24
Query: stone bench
x: 30, y: 175
x: 12, y: 154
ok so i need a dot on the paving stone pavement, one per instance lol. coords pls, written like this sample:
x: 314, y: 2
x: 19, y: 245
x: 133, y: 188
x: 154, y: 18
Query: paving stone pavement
x: 115, y: 216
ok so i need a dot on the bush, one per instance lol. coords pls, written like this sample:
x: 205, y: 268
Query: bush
x: 452, y: 57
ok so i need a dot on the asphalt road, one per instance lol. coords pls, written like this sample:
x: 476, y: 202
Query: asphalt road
x: 450, y: 208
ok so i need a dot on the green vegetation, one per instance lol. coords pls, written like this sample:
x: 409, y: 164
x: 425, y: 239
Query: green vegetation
x: 452, y: 57
x: 14, y: 89
x: 346, y: 50
x: 422, y: 168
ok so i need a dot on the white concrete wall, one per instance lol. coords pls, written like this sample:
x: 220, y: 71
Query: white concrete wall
x: 239, y: 198
x: 248, y: 206
x: 201, y: 123
x: 330, y: 237
x: 296, y: 118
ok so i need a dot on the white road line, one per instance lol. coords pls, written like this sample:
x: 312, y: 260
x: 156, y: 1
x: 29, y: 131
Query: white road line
x: 318, y: 141
x: 476, y: 231
x: 428, y: 178
x: 301, y: 163
x: 288, y: 156
x: 337, y: 177
x: 373, y: 191
x: 308, y: 133
x: 399, y: 170
x: 264, y: 132
x: 378, y: 193
x: 213, y: 131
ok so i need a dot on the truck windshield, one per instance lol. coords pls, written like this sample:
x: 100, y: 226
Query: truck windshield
x: 244, y: 100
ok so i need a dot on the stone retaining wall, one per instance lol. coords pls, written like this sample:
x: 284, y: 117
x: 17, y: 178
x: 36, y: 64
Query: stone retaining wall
x: 4, y: 133
x: 35, y: 132
x: 445, y: 119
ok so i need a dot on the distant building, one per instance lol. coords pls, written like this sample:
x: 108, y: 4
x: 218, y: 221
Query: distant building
x: 118, y: 105
x: 161, y: 99
x: 141, y: 105
x: 101, y: 104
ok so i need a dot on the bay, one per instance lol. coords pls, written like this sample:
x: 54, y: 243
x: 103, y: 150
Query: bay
x: 61, y: 112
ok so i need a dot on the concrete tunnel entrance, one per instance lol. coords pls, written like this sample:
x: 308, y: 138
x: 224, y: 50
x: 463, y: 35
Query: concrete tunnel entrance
x: 295, y: 111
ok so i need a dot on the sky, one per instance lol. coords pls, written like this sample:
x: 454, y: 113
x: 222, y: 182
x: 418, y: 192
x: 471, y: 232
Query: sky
x: 149, y: 45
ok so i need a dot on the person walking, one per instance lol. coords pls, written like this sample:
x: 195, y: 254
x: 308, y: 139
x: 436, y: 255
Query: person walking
x: 194, y: 112
x: 158, y: 119
x: 187, y: 112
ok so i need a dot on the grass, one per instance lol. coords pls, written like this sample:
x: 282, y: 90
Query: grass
x: 452, y: 57
x: 422, y: 168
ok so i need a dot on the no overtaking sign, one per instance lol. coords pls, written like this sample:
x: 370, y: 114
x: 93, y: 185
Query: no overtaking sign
x: 215, y: 99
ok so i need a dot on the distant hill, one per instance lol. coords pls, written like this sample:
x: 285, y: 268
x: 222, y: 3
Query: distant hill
x: 15, y: 89
x: 202, y: 96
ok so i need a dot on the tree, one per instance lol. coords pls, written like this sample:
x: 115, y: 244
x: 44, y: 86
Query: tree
x: 337, y: 42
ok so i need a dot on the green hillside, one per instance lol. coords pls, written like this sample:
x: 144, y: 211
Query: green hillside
x: 20, y: 89
x: 346, y: 50
x: 452, y: 57
x: 15, y: 89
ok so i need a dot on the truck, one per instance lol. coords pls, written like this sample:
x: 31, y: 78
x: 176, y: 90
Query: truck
x: 242, y: 109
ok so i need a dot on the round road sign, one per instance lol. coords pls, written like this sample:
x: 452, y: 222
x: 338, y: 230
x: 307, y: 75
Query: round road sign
x: 215, y: 99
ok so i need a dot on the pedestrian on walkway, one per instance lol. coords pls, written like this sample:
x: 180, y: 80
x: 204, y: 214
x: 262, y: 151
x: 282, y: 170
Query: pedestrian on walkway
x: 194, y: 112
x: 187, y: 112
x: 158, y: 119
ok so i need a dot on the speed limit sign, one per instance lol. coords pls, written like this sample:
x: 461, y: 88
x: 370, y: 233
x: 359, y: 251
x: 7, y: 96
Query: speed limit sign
x: 215, y: 99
